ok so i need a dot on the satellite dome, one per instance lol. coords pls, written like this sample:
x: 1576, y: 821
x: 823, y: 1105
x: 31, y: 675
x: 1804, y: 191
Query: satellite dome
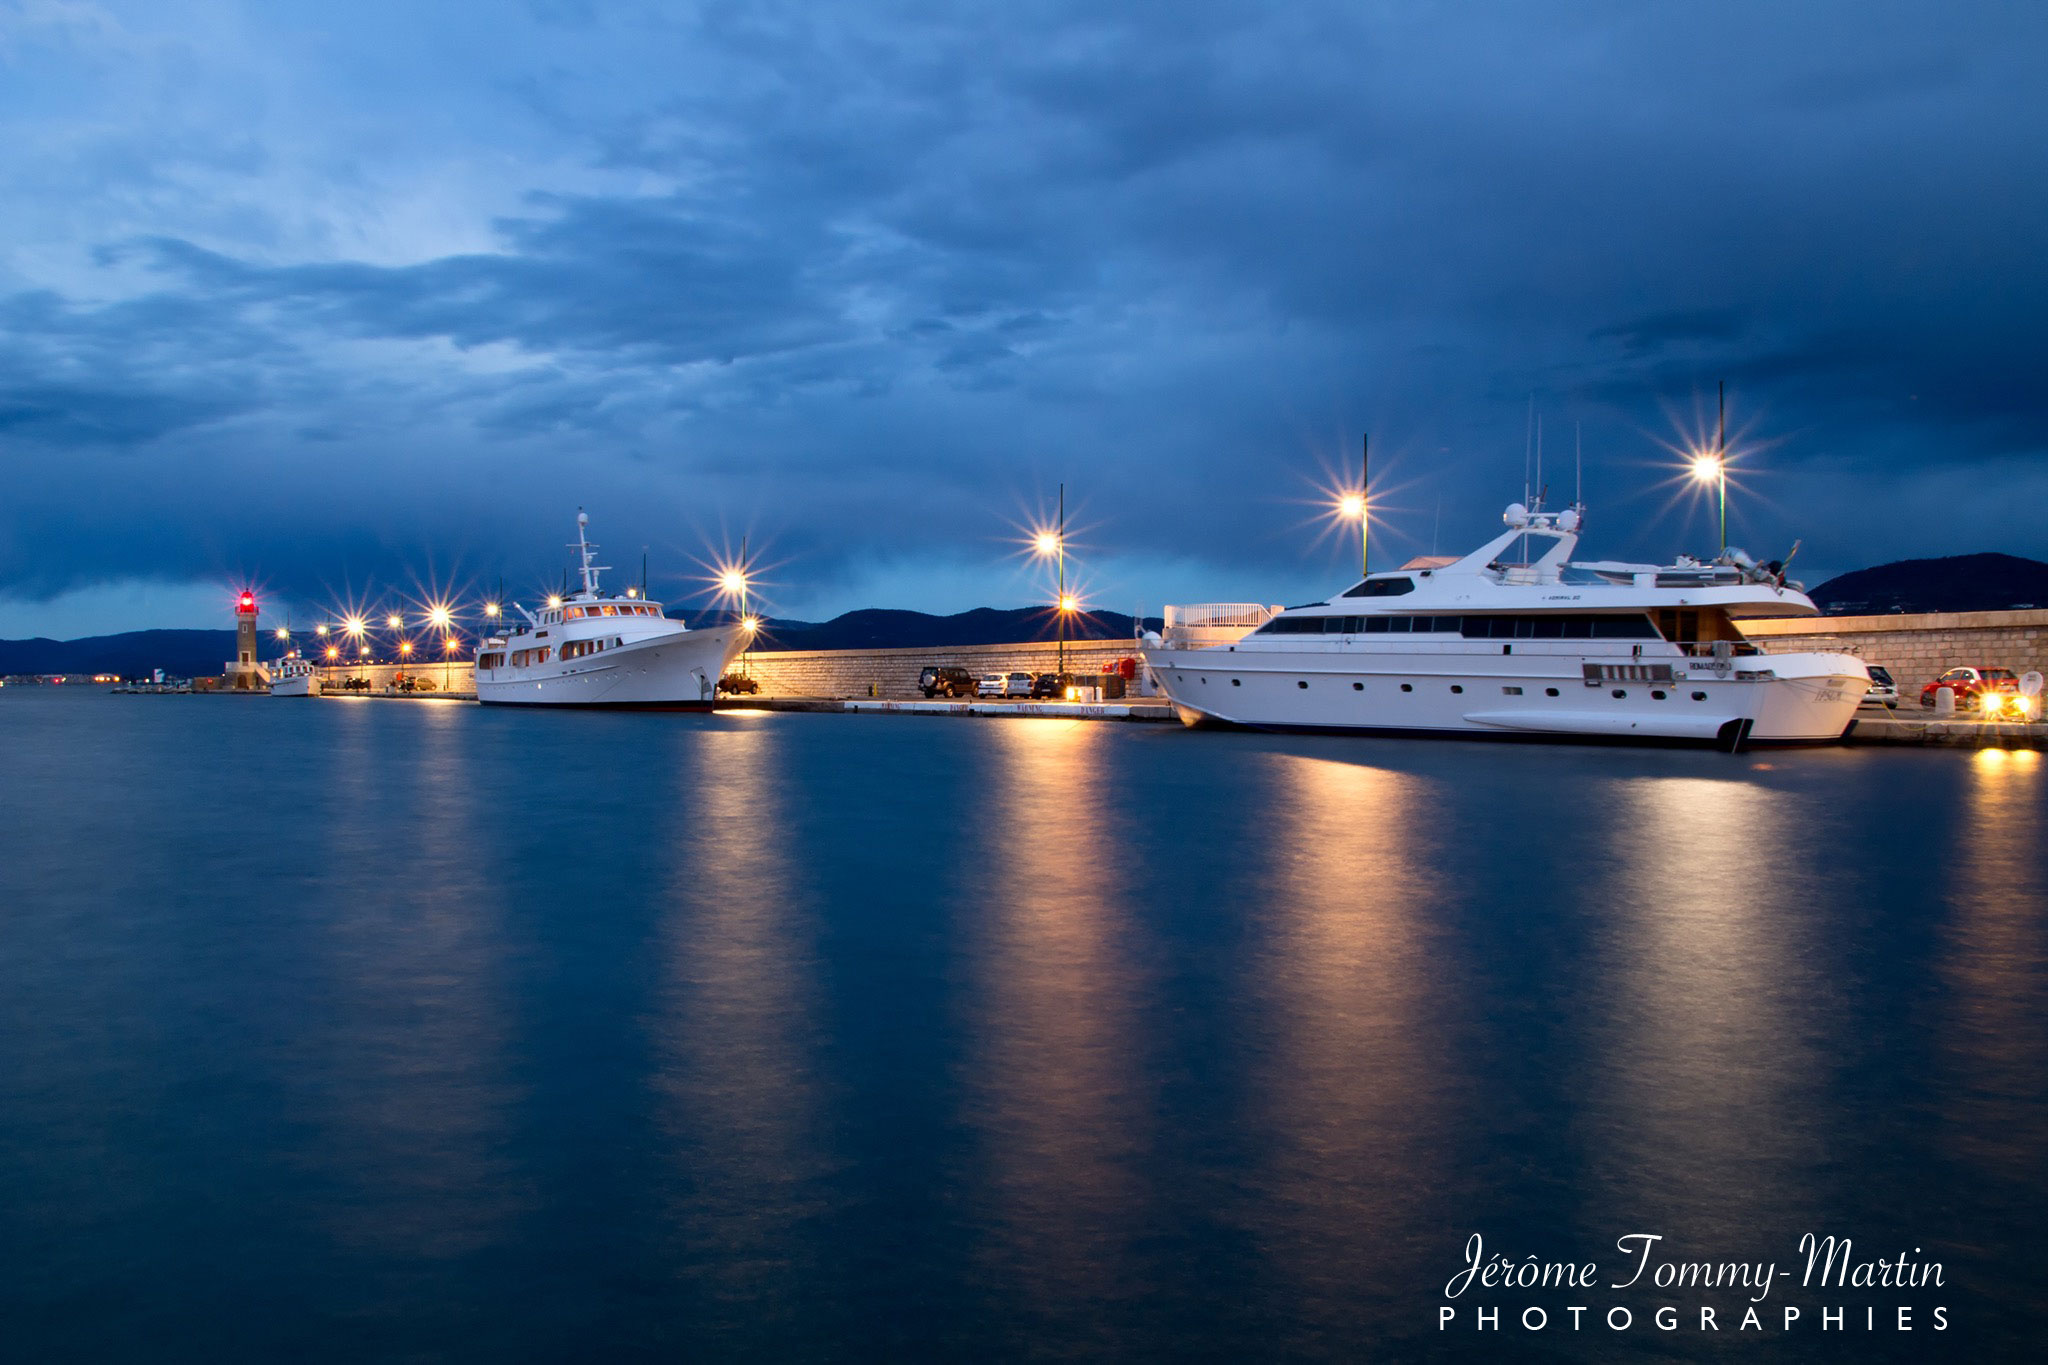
x: 1568, y: 520
x: 1516, y: 515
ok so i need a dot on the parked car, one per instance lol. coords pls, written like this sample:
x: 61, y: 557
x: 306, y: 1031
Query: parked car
x: 738, y: 684
x: 1019, y: 685
x: 1971, y: 685
x: 1883, y: 691
x: 940, y: 680
x: 1046, y: 685
x: 992, y: 685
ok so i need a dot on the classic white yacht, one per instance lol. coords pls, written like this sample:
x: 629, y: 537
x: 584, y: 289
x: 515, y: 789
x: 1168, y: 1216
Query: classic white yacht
x: 291, y: 676
x: 593, y: 648
x: 1514, y: 639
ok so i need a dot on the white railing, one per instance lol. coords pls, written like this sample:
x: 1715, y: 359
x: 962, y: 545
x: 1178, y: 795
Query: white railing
x: 1214, y: 623
x: 1204, y: 615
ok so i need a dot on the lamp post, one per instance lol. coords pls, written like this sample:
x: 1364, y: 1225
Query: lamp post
x: 1712, y: 466
x: 1054, y: 543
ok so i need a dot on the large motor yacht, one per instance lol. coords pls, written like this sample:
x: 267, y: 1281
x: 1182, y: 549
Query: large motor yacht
x: 1517, y: 640
x: 593, y: 648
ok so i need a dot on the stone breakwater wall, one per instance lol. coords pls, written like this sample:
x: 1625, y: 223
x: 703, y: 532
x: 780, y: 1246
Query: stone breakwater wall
x: 892, y: 673
x: 1917, y: 649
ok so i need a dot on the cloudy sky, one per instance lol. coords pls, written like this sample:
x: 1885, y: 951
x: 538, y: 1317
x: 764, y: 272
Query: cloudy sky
x: 348, y: 300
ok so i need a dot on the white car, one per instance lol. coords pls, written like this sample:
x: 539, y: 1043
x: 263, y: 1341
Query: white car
x: 1019, y: 685
x: 991, y: 685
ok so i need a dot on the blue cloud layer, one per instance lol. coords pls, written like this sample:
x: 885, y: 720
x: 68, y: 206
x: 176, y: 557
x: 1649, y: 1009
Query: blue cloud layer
x: 319, y: 300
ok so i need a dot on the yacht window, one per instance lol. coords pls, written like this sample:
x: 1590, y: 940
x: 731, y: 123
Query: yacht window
x: 574, y: 613
x: 1358, y: 687
x: 1292, y: 625
x: 1382, y: 587
x: 1376, y: 625
x: 1511, y: 691
x: 1549, y: 691
x: 1407, y: 687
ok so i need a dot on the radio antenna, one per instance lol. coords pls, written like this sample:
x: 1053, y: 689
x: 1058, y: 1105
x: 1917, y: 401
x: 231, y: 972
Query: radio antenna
x: 1528, y: 444
x: 1579, y: 464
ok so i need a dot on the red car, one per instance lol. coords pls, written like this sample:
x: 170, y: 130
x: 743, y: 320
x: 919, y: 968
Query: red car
x: 1970, y: 685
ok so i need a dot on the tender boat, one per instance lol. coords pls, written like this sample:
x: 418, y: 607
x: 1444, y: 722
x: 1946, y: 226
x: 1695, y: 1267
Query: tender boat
x: 1517, y: 640
x: 594, y: 648
x: 291, y: 676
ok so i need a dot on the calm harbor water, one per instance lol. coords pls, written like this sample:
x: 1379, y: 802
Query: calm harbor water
x: 350, y: 1030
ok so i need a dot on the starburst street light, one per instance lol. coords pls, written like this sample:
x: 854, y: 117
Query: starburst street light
x: 1053, y: 541
x: 283, y: 634
x: 491, y: 610
x: 356, y: 625
x: 438, y: 617
x: 321, y: 630
x: 333, y: 651
x: 405, y: 648
x: 394, y: 622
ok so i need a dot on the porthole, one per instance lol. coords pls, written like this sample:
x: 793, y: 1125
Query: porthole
x: 1549, y: 691
x: 1203, y: 681
x: 1407, y: 687
x: 1302, y: 685
x: 1656, y: 696
x: 1358, y: 687
x: 1620, y: 692
x: 1456, y: 688
x: 1235, y: 682
x: 1699, y: 696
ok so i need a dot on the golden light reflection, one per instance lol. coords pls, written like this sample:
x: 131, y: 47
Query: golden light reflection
x: 416, y: 1084
x: 1348, y: 1096
x: 737, y: 1030
x: 1700, y: 1102
x: 1995, y: 961
x: 1058, y: 1047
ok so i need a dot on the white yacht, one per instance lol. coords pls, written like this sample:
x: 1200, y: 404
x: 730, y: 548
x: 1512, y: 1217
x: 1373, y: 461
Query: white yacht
x: 291, y: 676
x: 1516, y: 640
x: 594, y: 648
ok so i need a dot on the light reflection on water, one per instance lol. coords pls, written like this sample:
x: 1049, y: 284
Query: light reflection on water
x: 1056, y: 1047
x: 734, y: 1035
x: 1994, y: 957
x: 1702, y: 1042
x: 1344, y: 1085
x: 413, y: 1091
x: 471, y: 1034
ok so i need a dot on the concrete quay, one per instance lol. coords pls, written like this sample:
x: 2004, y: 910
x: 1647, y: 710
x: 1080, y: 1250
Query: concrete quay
x: 1958, y: 732
x: 1141, y: 709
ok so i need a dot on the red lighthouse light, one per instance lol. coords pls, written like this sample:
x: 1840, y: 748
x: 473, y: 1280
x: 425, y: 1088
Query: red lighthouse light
x: 246, y: 604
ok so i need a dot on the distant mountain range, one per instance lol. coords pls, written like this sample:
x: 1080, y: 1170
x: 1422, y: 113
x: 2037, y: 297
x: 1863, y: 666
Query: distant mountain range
x: 201, y: 653
x: 1988, y: 582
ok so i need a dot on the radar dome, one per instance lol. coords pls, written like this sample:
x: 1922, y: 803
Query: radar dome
x: 1516, y: 515
x: 1568, y: 520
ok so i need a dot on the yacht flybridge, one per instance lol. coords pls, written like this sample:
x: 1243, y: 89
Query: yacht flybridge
x: 593, y: 648
x: 1516, y: 639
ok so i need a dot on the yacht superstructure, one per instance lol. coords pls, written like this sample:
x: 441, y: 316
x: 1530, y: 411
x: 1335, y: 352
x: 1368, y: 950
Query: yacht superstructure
x: 593, y: 648
x: 1516, y: 639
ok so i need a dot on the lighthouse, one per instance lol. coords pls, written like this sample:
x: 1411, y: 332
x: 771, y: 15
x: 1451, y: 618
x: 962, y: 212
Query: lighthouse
x: 243, y: 670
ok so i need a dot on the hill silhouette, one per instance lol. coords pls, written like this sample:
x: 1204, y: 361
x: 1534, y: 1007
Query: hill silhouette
x: 1982, y: 582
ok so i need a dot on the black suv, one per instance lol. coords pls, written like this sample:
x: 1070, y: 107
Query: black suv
x: 942, y: 681
x: 738, y: 684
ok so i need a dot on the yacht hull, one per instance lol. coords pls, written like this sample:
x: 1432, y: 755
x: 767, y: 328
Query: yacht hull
x: 1769, y: 699
x: 665, y: 673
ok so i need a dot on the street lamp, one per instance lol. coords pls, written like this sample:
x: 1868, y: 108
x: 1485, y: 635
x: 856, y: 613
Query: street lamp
x: 1713, y: 469
x: 394, y: 622
x: 1356, y: 505
x: 1711, y: 466
x: 1054, y: 542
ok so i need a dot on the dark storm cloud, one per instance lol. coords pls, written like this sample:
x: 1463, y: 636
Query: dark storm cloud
x: 893, y: 270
